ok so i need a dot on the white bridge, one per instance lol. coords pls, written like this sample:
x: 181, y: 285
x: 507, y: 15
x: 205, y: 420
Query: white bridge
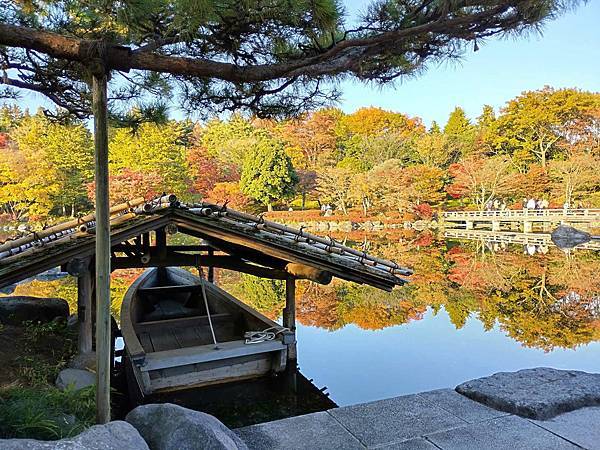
x: 524, y: 218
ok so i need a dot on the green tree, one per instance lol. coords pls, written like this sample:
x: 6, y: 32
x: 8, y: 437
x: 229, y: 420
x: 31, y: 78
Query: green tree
x: 153, y: 148
x: 267, y: 173
x: 460, y: 133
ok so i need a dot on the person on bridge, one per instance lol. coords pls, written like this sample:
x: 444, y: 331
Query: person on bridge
x: 531, y: 203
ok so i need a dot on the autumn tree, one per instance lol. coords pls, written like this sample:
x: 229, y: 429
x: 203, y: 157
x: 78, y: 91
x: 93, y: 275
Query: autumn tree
x: 128, y: 184
x: 575, y: 175
x: 481, y: 179
x: 531, y: 126
x: 267, y: 173
x: 311, y: 140
x: 57, y: 158
x: 159, y: 149
x: 334, y: 185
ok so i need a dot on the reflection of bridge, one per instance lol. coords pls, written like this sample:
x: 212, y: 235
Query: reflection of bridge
x: 509, y: 237
x: 525, y: 218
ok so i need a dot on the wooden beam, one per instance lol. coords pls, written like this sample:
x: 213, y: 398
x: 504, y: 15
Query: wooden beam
x: 305, y: 272
x: 211, y: 269
x: 84, y: 310
x: 289, y: 313
x: 103, y: 335
x: 174, y: 259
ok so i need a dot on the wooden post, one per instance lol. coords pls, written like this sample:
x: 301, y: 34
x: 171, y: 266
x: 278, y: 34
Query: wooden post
x: 289, y: 314
x: 84, y: 311
x: 103, y: 337
x: 211, y: 269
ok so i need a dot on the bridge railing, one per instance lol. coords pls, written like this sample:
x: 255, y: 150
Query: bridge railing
x: 521, y: 213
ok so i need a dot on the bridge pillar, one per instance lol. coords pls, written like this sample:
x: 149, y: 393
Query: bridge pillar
x: 469, y: 224
x: 495, y: 225
x: 527, y: 227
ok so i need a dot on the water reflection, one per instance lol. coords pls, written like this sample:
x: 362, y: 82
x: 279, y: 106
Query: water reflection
x: 543, y: 300
x: 250, y: 402
x: 475, y: 306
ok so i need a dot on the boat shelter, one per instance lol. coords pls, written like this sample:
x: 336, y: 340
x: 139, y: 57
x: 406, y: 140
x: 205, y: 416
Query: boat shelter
x: 228, y: 239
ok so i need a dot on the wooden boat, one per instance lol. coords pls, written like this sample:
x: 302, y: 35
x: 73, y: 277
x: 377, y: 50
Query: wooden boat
x: 169, y: 342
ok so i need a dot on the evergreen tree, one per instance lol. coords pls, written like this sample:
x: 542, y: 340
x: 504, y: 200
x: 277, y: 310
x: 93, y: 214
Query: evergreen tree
x: 267, y: 173
x: 460, y: 133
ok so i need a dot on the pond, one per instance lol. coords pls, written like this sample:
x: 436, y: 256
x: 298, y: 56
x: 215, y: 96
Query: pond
x: 473, y: 307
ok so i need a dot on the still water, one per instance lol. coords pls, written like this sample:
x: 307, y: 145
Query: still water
x: 472, y: 308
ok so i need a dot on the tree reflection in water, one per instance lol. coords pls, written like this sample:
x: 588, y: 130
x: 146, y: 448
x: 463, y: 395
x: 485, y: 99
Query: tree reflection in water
x: 547, y: 300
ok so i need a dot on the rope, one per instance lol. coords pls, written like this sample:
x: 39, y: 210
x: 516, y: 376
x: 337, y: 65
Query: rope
x: 210, y: 324
x: 256, y: 337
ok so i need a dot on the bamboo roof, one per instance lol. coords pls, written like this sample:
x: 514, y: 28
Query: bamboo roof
x: 250, y: 237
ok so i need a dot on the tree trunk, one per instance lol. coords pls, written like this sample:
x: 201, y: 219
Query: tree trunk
x: 303, y: 200
x: 269, y: 207
x: 103, y: 334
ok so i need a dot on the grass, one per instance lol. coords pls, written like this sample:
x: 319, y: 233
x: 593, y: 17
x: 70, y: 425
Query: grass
x: 30, y: 405
x: 45, y: 412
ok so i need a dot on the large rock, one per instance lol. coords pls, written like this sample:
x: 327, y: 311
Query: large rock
x: 83, y: 361
x: 116, y: 435
x: 75, y: 378
x: 172, y: 427
x: 16, y: 310
x: 539, y: 393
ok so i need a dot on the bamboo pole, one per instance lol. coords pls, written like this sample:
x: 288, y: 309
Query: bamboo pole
x: 69, y: 226
x: 103, y: 336
x: 330, y: 245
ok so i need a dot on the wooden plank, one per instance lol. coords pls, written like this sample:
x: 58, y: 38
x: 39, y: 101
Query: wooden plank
x: 128, y: 320
x: 236, y: 372
x: 183, y: 322
x: 163, y: 341
x: 187, y: 337
x: 84, y: 310
x: 170, y: 289
x: 205, y: 353
x: 146, y: 342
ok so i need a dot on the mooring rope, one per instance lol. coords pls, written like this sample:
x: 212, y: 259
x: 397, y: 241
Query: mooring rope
x: 210, y: 324
x: 255, y: 337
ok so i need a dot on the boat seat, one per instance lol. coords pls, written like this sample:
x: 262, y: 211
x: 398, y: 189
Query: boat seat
x: 171, y: 309
x: 207, y: 353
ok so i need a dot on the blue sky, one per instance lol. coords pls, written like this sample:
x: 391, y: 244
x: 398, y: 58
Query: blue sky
x: 566, y: 55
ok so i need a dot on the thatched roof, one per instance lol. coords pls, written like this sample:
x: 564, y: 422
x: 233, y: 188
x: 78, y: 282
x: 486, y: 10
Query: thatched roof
x: 251, y: 238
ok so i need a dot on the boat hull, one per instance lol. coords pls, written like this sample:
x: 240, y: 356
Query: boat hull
x: 168, y: 339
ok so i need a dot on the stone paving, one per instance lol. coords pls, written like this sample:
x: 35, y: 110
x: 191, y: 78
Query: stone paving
x: 441, y: 419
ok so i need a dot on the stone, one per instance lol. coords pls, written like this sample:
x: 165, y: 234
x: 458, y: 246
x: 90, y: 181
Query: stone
x: 411, y: 444
x: 83, y: 361
x: 116, y: 435
x: 508, y: 432
x: 461, y: 406
x: 75, y: 379
x: 311, y: 432
x: 172, y: 427
x: 394, y: 420
x: 19, y: 309
x: 539, y: 393
x: 582, y: 427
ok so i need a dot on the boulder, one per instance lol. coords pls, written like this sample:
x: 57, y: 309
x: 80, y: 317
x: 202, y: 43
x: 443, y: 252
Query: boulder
x: 172, y: 427
x: 116, y: 435
x: 75, y: 378
x: 83, y: 361
x: 19, y: 309
x: 539, y: 393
